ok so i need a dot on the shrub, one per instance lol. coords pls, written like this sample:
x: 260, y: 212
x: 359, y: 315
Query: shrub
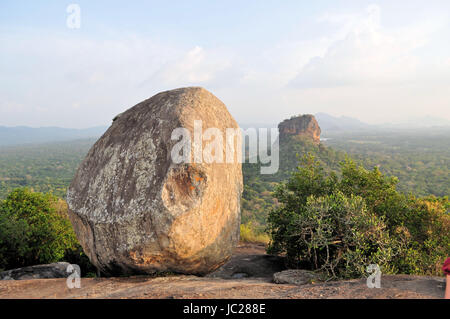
x: 341, y: 225
x: 250, y: 234
x: 421, y: 224
x: 34, y: 229
x: 338, y: 235
x: 427, y: 231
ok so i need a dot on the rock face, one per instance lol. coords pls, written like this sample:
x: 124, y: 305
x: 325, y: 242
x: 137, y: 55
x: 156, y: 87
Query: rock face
x: 302, y: 125
x: 55, y: 270
x: 135, y: 210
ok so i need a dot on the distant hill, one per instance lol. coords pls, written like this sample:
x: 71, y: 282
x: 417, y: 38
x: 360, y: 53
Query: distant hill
x: 345, y: 124
x: 29, y: 135
x: 420, y: 122
x: 328, y: 122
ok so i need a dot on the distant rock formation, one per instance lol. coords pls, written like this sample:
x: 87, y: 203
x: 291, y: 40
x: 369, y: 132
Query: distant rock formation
x: 135, y: 210
x: 302, y: 125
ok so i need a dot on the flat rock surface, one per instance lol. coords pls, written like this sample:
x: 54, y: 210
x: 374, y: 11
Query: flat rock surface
x: 399, y: 286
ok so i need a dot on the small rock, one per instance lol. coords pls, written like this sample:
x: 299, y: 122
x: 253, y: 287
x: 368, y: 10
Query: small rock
x: 295, y: 277
x: 255, y: 266
x: 239, y: 275
x: 55, y: 270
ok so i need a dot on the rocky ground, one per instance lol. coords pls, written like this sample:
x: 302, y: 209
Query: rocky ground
x: 247, y: 275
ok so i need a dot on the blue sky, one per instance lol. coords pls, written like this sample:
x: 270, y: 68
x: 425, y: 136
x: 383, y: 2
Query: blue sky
x: 379, y: 61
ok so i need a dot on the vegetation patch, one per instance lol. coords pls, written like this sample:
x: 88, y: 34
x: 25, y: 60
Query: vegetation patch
x: 340, y: 225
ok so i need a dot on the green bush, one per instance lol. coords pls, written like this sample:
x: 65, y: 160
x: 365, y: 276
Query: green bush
x: 34, y: 229
x: 422, y: 225
x: 251, y: 234
x: 340, y: 225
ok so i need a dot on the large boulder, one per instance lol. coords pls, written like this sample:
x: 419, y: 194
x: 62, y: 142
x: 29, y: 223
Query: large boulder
x: 136, y: 210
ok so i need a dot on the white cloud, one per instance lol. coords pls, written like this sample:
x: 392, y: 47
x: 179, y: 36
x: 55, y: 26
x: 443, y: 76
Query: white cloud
x: 447, y: 62
x: 76, y: 81
x: 194, y: 67
x: 367, y: 54
x: 358, y: 68
x: 354, y: 65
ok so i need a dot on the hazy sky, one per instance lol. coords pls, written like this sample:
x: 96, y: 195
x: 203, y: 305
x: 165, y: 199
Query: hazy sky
x: 379, y: 61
